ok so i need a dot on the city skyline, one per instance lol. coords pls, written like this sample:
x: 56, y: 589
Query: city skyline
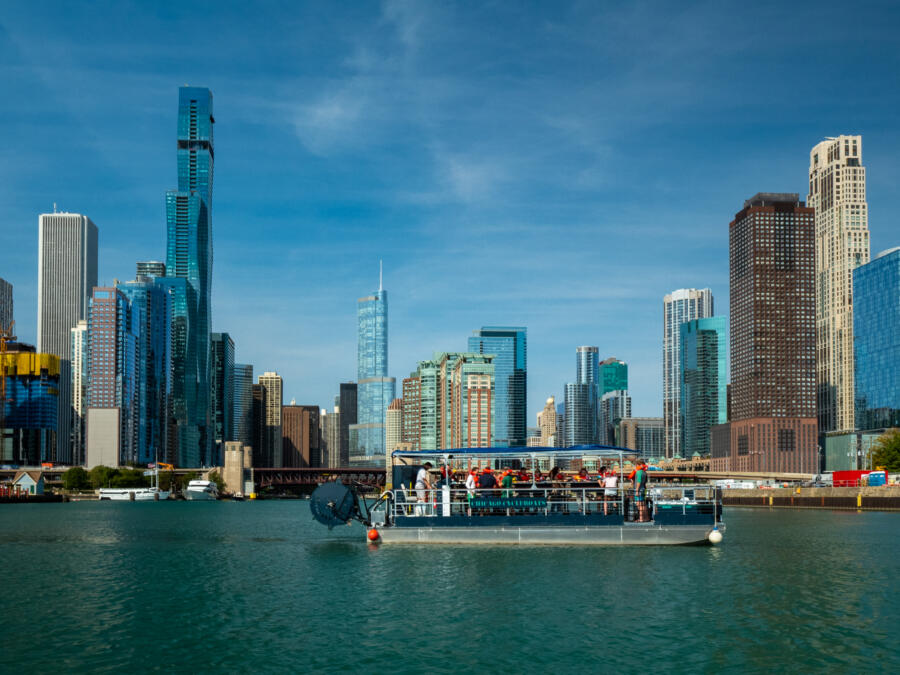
x: 470, y: 201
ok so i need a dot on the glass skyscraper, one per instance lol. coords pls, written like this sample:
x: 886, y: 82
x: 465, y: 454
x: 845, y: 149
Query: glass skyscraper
x: 243, y: 403
x: 150, y: 306
x: 375, y: 390
x: 704, y: 393
x: 189, y: 255
x: 613, y: 376
x: 582, y: 399
x: 222, y: 392
x: 509, y: 346
x: 876, y: 335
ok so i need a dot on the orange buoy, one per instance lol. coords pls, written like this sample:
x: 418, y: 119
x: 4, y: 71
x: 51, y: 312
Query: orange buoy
x: 373, y: 534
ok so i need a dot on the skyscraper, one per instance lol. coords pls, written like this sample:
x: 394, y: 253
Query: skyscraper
x: 346, y: 403
x: 189, y: 249
x: 472, y: 401
x: 647, y: 435
x: 837, y: 192
x: 509, y: 346
x: 582, y: 399
x: 113, y: 336
x: 613, y: 375
x: 222, y: 390
x: 547, y: 421
x: 392, y: 422
x: 150, y: 268
x: 375, y: 390
x: 773, y: 336
x: 614, y: 407
x: 678, y: 306
x: 153, y: 361
x: 243, y: 403
x: 876, y: 330
x: 28, y: 419
x: 271, y: 450
x: 78, y: 387
x: 6, y: 304
x: 704, y: 362
x: 300, y: 425
x: 67, y: 271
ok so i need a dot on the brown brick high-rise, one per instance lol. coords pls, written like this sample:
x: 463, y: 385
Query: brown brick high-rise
x: 773, y: 336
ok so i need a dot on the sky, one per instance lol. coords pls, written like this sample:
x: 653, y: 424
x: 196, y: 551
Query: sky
x: 556, y: 165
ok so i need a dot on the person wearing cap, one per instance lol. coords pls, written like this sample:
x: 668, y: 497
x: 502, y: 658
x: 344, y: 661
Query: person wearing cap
x: 639, y: 478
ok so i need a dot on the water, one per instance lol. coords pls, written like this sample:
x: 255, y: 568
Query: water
x: 194, y: 587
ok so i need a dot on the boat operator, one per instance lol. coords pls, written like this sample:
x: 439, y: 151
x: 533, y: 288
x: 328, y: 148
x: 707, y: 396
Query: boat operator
x: 423, y: 483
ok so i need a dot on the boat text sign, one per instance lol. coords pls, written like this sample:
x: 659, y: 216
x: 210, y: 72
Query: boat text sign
x: 509, y: 503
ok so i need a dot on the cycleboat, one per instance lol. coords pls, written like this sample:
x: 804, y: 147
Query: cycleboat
x: 553, y: 496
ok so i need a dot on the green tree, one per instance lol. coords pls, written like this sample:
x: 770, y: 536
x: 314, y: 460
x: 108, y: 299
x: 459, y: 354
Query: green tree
x: 218, y: 480
x: 76, y: 478
x: 101, y: 476
x: 886, y: 451
x: 128, y: 478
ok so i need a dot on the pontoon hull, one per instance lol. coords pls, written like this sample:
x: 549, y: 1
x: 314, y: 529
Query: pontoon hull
x: 623, y: 535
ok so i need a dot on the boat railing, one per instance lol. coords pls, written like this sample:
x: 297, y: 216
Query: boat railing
x: 549, y: 499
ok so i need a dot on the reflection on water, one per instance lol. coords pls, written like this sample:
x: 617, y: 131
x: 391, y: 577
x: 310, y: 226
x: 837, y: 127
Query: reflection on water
x: 109, y: 587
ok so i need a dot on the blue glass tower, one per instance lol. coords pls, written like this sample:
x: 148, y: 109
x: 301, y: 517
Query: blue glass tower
x: 375, y: 390
x: 876, y: 341
x: 189, y: 252
x: 150, y: 303
x: 509, y: 345
x: 704, y: 381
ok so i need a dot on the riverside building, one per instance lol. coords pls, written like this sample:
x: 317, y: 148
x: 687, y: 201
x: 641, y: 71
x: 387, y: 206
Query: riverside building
x: 704, y: 394
x: 773, y: 338
x: 189, y: 256
x: 837, y: 192
x: 508, y: 345
x: 375, y: 389
x: 876, y: 329
x: 679, y: 306
x: 67, y: 271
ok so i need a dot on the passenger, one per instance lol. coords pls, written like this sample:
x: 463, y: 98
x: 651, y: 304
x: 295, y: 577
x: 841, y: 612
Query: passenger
x: 583, y: 474
x: 423, y: 483
x: 538, y: 476
x: 610, y: 488
x: 640, y: 491
x: 486, y: 480
x: 506, y: 482
x: 470, y: 489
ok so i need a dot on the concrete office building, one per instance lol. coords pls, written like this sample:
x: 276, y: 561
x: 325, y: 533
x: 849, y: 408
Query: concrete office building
x: 300, y: 434
x: 393, y: 425
x: 103, y: 429
x: 271, y: 438
x: 679, y: 306
x: 773, y: 337
x: 67, y: 272
x: 837, y: 192
x: 548, y: 424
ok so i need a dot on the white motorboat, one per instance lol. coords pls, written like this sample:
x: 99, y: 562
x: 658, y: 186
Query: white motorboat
x: 201, y: 490
x: 151, y: 494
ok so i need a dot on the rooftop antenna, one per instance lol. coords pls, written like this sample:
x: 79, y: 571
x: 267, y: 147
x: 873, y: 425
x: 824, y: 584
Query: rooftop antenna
x: 54, y: 207
x: 380, y: 275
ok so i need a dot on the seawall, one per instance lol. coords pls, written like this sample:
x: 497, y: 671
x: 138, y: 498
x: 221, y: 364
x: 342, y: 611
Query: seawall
x: 856, y: 498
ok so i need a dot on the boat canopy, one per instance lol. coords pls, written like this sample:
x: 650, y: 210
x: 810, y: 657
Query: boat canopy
x: 574, y: 452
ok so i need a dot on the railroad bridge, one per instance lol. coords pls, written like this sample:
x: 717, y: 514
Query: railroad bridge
x: 288, y: 477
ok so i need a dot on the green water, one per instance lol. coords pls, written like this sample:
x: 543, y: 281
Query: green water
x: 231, y: 587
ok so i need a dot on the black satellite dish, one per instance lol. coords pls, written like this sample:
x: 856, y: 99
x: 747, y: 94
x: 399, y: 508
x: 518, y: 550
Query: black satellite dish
x: 333, y: 504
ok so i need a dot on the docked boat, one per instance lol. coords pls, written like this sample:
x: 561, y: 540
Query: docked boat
x: 150, y: 494
x: 552, y: 496
x: 201, y: 490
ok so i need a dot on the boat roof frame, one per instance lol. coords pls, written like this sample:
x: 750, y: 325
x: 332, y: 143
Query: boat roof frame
x: 574, y: 452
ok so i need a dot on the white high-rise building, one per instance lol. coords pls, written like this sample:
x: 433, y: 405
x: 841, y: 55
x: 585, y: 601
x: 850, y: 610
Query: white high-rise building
x: 679, y: 306
x: 67, y: 273
x: 272, y: 436
x: 837, y: 191
x: 78, y: 389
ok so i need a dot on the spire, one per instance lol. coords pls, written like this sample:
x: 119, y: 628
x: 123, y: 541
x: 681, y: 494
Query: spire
x: 380, y: 275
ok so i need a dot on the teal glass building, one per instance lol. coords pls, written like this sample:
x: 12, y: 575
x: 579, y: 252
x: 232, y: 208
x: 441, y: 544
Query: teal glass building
x: 703, y: 358
x: 876, y: 340
x: 509, y: 346
x: 613, y: 376
x: 375, y: 390
x: 189, y: 256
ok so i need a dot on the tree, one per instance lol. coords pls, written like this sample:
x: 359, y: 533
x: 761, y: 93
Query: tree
x: 76, y: 478
x: 218, y: 480
x: 886, y: 451
x: 129, y: 478
x: 101, y: 476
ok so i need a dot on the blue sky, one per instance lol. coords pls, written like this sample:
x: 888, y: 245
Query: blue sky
x: 558, y: 165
